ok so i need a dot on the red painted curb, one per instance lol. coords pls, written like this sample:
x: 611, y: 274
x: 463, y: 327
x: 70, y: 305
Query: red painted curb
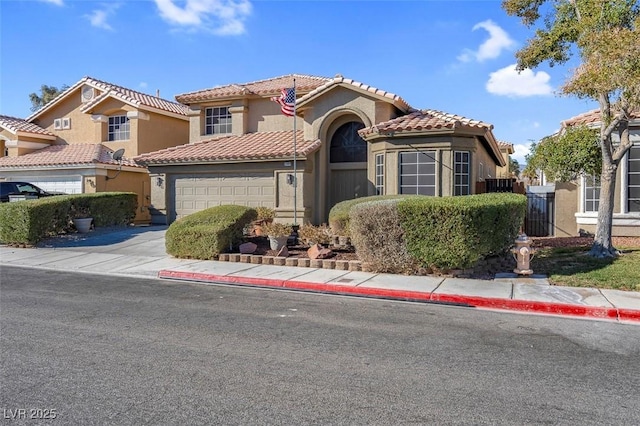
x: 529, y: 306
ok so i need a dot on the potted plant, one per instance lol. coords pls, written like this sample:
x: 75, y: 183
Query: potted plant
x: 265, y: 215
x: 81, y: 218
x: 278, y: 234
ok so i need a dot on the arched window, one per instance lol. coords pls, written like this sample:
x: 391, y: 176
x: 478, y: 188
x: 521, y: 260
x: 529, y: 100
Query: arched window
x: 346, y: 144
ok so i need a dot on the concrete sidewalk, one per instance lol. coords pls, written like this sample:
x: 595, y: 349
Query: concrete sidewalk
x: 140, y: 252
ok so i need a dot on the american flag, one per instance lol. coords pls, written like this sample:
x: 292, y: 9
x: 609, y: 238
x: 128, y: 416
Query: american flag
x: 287, y: 101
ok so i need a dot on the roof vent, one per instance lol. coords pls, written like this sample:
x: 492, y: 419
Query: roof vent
x: 88, y: 93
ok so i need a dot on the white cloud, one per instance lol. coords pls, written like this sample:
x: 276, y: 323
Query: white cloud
x: 56, y: 2
x: 222, y: 17
x: 509, y: 82
x: 520, y: 150
x: 498, y: 41
x: 98, y: 17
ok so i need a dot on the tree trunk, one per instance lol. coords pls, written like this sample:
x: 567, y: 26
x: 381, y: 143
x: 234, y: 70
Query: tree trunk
x: 602, y: 246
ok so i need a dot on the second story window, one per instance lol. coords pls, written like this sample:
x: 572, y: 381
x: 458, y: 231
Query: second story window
x: 217, y: 121
x: 118, y: 128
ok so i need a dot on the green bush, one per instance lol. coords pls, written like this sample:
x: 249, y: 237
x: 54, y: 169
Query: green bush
x: 207, y: 233
x: 456, y: 232
x: 29, y: 221
x: 435, y: 232
x: 339, y: 213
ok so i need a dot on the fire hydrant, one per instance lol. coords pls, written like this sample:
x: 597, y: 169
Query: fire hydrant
x: 523, y: 253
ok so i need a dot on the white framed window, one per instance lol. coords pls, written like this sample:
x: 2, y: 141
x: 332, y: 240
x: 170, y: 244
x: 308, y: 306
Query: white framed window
x: 633, y: 179
x: 217, y: 121
x: 461, y: 175
x: 118, y: 128
x: 57, y: 124
x: 591, y: 193
x: 379, y: 174
x: 418, y: 172
x: 66, y: 123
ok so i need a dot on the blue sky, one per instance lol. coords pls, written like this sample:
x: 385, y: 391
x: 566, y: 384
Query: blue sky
x: 453, y: 56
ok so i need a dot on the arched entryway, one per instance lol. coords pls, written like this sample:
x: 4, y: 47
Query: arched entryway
x: 347, y: 163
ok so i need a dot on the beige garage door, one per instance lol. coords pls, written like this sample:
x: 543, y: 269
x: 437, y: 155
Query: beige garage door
x: 198, y: 192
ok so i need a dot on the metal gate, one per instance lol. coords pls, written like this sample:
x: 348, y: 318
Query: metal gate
x: 539, y: 220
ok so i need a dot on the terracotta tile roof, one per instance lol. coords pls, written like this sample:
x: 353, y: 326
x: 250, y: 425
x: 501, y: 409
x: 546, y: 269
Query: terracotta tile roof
x: 424, y: 120
x: 506, y: 145
x: 270, y: 86
x: 340, y: 80
x: 132, y: 97
x: 15, y: 125
x: 590, y: 117
x: 251, y: 146
x: 65, y: 155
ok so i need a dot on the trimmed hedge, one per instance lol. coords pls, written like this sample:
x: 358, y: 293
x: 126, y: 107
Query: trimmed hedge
x: 456, y: 232
x: 29, y: 221
x: 378, y: 236
x: 435, y: 232
x: 339, y: 213
x: 207, y: 233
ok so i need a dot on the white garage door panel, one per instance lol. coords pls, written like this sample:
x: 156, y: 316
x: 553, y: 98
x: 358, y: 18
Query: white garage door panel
x: 68, y: 185
x: 195, y: 193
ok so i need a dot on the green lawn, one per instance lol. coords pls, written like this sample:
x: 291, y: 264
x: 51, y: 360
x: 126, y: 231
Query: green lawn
x: 573, y: 267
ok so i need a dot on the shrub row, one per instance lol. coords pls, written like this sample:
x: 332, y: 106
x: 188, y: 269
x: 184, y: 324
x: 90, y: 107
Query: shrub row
x: 29, y: 221
x: 207, y: 233
x: 339, y: 214
x: 435, y: 232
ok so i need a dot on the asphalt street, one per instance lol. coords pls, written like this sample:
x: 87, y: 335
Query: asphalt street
x: 119, y: 350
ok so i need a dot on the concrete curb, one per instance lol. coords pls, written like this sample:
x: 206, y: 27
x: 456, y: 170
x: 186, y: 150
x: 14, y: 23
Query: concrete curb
x: 527, y: 306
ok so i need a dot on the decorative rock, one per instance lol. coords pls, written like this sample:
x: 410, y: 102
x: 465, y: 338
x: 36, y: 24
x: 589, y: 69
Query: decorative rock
x: 267, y: 260
x: 328, y: 264
x: 223, y: 257
x: 279, y: 261
x: 291, y: 261
x: 304, y: 262
x: 316, y: 251
x: 283, y: 252
x: 315, y: 263
x: 248, y: 248
x: 342, y: 265
x: 234, y: 257
x: 245, y: 258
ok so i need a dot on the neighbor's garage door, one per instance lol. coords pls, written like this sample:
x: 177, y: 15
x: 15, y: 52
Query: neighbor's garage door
x: 68, y: 185
x: 197, y: 192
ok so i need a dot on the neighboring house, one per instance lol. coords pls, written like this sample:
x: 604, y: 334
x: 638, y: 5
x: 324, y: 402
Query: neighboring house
x: 67, y: 145
x: 576, y: 203
x: 352, y: 140
x: 506, y: 149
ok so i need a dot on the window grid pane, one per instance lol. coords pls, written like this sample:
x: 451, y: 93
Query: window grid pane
x: 379, y: 174
x: 217, y: 121
x: 418, y: 173
x: 118, y: 128
x: 591, y: 194
x: 461, y: 174
x: 633, y: 179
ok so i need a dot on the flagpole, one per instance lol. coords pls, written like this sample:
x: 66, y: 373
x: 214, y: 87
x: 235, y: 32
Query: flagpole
x: 295, y: 166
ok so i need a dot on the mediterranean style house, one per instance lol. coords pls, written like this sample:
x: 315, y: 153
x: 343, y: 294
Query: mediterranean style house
x: 68, y: 145
x: 576, y: 203
x: 351, y: 140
